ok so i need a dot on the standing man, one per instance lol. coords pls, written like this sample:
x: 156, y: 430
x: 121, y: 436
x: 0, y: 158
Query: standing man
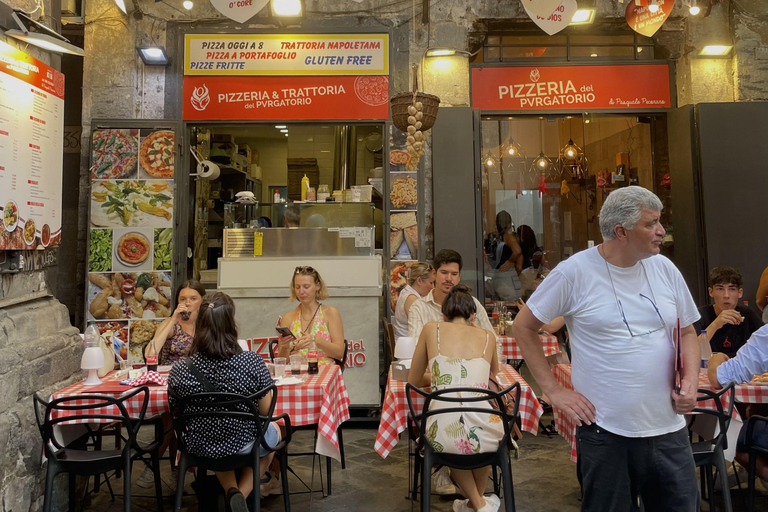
x: 728, y: 323
x: 621, y: 302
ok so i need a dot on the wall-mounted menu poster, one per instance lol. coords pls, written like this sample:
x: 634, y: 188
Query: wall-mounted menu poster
x: 31, y: 153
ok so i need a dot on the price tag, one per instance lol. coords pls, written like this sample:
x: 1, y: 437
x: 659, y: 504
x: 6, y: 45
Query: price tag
x: 258, y: 242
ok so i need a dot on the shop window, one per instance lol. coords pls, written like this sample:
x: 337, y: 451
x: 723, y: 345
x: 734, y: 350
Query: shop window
x: 529, y: 206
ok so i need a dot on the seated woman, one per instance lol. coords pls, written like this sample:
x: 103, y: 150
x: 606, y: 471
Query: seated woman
x: 171, y: 343
x: 460, y: 355
x: 311, y: 320
x: 421, y: 280
x: 216, y: 354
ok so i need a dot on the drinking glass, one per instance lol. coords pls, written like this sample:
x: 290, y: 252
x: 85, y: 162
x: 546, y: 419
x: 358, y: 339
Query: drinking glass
x: 279, y: 367
x: 295, y: 364
x: 271, y: 368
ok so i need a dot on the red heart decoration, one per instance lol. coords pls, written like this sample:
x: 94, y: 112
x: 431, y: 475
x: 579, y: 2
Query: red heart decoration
x: 645, y: 22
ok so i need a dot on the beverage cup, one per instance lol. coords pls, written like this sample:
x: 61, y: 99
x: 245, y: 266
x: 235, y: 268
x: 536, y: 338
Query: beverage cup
x: 296, y: 364
x: 271, y: 368
x: 185, y: 315
x: 279, y: 367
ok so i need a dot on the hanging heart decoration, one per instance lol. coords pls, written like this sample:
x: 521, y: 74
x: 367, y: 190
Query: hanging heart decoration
x: 559, y: 19
x: 541, y: 8
x: 239, y: 10
x: 643, y: 21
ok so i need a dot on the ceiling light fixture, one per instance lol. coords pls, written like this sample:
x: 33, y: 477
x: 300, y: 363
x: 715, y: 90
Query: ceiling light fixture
x: 583, y: 17
x: 513, y: 150
x: 288, y: 12
x: 153, y: 55
x: 693, y: 8
x: 37, y: 34
x: 283, y: 131
x: 572, y: 158
x: 489, y: 160
x: 188, y: 4
x: 280, y: 126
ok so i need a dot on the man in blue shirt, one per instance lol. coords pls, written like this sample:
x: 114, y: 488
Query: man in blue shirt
x: 750, y: 360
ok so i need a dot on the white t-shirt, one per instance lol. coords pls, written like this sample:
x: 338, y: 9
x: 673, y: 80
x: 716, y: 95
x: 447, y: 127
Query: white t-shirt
x: 400, y: 321
x: 627, y: 379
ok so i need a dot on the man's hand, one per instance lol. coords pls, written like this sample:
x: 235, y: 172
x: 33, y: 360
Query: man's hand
x: 573, y: 404
x: 716, y: 360
x: 728, y: 316
x: 684, y: 401
x: 506, y: 266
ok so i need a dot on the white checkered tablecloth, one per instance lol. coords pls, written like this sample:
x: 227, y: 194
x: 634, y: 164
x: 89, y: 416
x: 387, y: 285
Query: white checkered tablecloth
x: 745, y: 393
x: 322, y: 399
x: 512, y: 350
x: 394, y: 412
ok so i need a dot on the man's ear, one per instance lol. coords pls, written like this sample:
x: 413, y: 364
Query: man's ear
x: 620, y: 231
x: 741, y: 292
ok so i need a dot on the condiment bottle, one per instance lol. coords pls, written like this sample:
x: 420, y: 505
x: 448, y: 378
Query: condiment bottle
x: 304, y: 187
x: 276, y: 197
x: 151, y: 357
x: 322, y: 193
x: 312, y: 367
x: 311, y: 194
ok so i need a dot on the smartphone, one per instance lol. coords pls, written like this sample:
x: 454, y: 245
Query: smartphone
x: 284, y: 331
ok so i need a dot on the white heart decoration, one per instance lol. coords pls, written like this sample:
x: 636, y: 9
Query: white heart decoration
x: 541, y: 8
x: 558, y: 20
x: 239, y: 10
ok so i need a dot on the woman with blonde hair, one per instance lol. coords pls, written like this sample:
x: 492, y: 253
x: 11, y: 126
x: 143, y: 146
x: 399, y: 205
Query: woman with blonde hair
x: 421, y: 280
x: 311, y: 320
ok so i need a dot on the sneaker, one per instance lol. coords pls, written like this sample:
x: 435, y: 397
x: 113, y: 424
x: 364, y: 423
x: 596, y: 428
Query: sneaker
x: 271, y: 486
x: 495, y: 500
x: 236, y: 500
x: 461, y: 505
x: 442, y: 483
x: 147, y: 478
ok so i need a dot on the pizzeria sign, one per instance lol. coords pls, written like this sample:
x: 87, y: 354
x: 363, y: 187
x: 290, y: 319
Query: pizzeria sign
x: 286, y: 54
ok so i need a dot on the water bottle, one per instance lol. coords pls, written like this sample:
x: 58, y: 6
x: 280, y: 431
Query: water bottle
x: 706, y: 350
x: 495, y: 315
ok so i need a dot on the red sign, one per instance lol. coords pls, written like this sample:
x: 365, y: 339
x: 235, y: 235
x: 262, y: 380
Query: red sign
x: 286, y: 98
x: 574, y: 88
x: 647, y: 22
x: 32, y: 71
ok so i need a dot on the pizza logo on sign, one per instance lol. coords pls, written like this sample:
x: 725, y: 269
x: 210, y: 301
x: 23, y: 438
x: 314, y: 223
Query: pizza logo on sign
x: 535, y: 75
x: 200, y: 98
x: 372, y: 90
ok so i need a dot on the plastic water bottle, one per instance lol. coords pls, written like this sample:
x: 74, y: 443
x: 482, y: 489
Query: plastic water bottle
x: 706, y: 350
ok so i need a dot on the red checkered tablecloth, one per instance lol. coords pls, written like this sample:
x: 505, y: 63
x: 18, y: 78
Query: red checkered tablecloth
x: 322, y: 399
x: 512, y: 350
x: 394, y: 412
x: 745, y: 393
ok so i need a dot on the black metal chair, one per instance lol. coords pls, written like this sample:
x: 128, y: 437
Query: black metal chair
x: 343, y: 364
x: 272, y: 350
x: 429, y: 457
x: 221, y: 406
x: 754, y: 452
x: 77, y: 459
x: 709, y: 452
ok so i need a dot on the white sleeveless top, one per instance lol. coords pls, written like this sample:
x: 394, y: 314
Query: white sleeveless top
x: 400, y: 321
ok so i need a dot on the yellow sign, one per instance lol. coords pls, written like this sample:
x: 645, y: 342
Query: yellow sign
x: 286, y: 54
x: 258, y: 243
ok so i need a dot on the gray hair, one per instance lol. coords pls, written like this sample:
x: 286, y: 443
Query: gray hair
x: 624, y: 206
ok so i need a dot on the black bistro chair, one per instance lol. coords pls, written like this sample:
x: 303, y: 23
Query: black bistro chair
x: 754, y: 451
x: 218, y: 405
x: 708, y: 453
x: 76, y: 458
x: 272, y: 350
x: 429, y: 457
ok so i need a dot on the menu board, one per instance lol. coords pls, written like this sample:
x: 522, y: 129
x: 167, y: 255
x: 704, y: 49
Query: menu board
x: 130, y: 243
x: 31, y: 153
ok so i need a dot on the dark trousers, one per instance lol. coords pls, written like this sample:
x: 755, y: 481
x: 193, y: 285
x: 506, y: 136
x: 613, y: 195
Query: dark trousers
x: 615, y: 471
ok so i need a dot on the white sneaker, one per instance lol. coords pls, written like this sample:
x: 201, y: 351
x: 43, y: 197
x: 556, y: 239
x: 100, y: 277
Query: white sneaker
x: 146, y: 479
x: 495, y: 500
x: 461, y: 505
x: 442, y: 483
x: 491, y: 505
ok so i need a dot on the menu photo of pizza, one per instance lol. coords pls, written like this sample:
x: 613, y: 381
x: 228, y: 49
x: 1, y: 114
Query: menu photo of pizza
x: 156, y: 154
x: 132, y: 249
x: 114, y: 154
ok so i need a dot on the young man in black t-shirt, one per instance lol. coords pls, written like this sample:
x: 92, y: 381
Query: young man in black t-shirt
x: 728, y: 323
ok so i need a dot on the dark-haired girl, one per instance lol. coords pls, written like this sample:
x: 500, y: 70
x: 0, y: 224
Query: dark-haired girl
x: 458, y: 354
x: 173, y: 337
x: 216, y: 354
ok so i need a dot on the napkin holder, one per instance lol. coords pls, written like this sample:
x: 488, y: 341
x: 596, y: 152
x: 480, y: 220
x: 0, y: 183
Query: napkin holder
x: 400, y: 370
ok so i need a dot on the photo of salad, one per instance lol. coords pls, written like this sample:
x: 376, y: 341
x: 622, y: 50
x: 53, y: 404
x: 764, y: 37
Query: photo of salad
x: 163, y: 248
x: 100, y: 253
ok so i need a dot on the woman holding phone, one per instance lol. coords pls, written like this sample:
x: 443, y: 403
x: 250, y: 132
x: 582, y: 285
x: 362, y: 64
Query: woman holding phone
x: 311, y: 320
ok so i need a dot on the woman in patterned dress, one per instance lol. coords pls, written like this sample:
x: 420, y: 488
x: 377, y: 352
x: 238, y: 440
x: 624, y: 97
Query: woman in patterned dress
x: 459, y: 354
x: 311, y: 320
x: 216, y: 355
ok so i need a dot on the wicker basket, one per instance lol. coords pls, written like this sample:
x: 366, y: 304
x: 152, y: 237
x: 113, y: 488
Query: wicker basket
x: 400, y: 103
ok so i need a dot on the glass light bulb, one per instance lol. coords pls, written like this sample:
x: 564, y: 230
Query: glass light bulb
x: 511, y: 151
x: 570, y: 153
x: 694, y: 10
x: 188, y: 4
x: 542, y: 163
x: 489, y: 162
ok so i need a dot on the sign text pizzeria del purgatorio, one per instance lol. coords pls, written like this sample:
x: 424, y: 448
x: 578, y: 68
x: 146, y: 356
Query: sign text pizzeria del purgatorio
x: 286, y: 54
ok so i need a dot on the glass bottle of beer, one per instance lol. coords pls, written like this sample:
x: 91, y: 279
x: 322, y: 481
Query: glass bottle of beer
x: 312, y: 367
x: 151, y: 357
